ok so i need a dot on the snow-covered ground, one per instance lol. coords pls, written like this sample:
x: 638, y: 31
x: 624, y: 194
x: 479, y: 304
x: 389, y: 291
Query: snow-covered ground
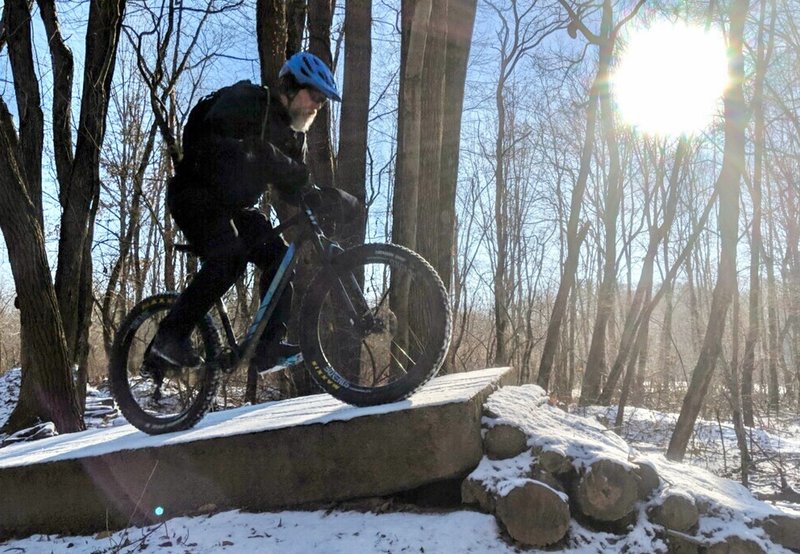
x: 390, y: 528
x: 774, y: 448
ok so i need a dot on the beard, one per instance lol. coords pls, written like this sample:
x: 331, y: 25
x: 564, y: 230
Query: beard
x: 302, y: 119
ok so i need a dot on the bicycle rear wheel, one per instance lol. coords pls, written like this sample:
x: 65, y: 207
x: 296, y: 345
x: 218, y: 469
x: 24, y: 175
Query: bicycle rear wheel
x: 161, y: 400
x: 375, y: 325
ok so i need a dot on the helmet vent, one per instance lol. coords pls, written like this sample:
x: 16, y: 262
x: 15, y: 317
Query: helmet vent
x: 309, y: 70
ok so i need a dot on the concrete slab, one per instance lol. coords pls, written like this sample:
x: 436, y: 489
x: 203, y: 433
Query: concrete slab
x: 276, y: 455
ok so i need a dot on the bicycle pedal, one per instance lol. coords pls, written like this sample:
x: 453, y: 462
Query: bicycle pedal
x: 283, y: 364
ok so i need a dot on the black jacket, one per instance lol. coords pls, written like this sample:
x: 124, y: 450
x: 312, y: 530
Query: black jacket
x: 241, y: 144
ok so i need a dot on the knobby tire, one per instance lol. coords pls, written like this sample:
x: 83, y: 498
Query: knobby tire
x: 120, y: 370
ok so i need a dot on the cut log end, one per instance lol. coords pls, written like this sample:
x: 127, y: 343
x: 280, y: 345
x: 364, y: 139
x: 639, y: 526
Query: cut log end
x: 735, y: 545
x: 784, y: 530
x: 677, y: 511
x: 504, y: 441
x: 607, y: 491
x: 474, y: 491
x: 554, y: 462
x: 534, y: 514
x: 649, y: 480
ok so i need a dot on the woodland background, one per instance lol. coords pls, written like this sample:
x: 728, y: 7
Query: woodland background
x: 607, y: 266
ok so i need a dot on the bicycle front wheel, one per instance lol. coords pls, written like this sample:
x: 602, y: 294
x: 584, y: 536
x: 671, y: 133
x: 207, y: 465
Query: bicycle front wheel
x: 375, y: 325
x: 161, y: 400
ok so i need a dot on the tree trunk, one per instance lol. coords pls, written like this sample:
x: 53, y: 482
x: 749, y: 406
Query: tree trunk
x: 773, y: 338
x: 79, y: 196
x: 296, y: 11
x: 734, y: 387
x: 17, y: 17
x: 320, y: 151
x: 26, y: 89
x: 47, y: 391
x: 694, y: 307
x: 657, y: 235
x: 63, y: 71
x: 596, y: 361
x: 728, y: 183
x: 272, y: 36
x: 575, y: 238
x: 351, y: 169
x: 432, y: 105
x: 501, y: 294
x: 756, y: 246
x: 415, y: 16
x: 460, y: 23
x: 637, y: 386
x: 639, y: 351
x: 665, y: 336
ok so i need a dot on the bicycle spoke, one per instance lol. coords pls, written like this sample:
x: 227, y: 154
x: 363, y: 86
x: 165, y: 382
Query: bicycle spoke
x: 376, y: 373
x: 402, y: 351
x: 397, y: 341
x: 383, y: 298
x: 418, y: 342
x: 398, y: 364
x: 160, y: 393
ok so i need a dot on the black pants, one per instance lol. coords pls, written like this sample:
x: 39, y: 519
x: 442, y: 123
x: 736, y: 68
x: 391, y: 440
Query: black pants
x: 226, y: 242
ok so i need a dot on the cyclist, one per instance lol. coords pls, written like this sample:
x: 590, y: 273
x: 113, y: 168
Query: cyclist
x: 236, y: 142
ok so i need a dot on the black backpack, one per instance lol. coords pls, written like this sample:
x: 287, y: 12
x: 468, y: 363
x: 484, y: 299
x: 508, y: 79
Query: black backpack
x: 235, y: 107
x: 195, y: 131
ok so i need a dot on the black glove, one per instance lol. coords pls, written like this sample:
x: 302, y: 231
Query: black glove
x: 293, y: 192
x: 332, y: 207
x: 333, y: 200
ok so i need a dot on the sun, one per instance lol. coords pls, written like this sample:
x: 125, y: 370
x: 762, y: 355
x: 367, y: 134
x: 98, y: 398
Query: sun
x: 670, y: 78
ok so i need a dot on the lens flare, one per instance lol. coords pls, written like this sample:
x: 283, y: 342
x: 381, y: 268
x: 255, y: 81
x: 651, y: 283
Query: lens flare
x: 159, y: 511
x: 670, y: 78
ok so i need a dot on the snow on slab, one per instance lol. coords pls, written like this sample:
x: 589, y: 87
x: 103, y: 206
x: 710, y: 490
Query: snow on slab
x: 584, y: 440
x: 308, y: 410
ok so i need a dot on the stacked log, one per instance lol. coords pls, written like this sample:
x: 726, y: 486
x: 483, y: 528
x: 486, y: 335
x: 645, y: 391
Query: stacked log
x: 735, y: 545
x: 648, y: 479
x: 515, y: 508
x: 525, y: 488
x: 677, y: 511
x: 504, y: 441
x: 784, y: 530
x: 554, y: 462
x: 607, y: 491
x: 534, y: 482
x: 475, y: 491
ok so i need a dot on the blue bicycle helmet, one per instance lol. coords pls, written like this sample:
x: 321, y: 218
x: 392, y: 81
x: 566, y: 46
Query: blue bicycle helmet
x: 309, y: 70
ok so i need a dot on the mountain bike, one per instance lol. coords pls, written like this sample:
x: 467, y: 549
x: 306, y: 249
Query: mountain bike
x: 374, y: 327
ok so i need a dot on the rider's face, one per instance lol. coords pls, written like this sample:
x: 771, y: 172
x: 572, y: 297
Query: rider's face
x: 303, y: 109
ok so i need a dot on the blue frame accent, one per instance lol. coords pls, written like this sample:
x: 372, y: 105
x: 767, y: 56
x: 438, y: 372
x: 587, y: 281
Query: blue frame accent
x: 276, y: 280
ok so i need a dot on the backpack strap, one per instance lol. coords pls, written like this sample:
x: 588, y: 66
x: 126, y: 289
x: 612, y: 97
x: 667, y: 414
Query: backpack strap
x: 265, y: 120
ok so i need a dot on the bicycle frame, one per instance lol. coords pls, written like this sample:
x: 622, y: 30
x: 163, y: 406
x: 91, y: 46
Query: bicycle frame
x: 324, y: 247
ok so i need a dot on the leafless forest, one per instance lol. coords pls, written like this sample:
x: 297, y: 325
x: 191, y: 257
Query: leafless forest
x: 606, y: 265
